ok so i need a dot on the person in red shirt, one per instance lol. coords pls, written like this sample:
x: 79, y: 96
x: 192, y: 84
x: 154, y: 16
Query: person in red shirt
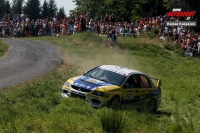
x: 183, y: 46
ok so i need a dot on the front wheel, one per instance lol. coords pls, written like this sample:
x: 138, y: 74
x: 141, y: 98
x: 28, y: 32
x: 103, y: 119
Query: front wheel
x: 114, y: 103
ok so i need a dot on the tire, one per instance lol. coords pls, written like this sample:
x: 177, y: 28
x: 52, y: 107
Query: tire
x: 151, y: 106
x: 114, y: 103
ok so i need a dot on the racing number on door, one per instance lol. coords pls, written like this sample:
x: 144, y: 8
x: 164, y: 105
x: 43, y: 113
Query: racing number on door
x: 128, y: 95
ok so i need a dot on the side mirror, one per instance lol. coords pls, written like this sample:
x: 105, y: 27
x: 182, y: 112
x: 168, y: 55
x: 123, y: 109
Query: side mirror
x: 159, y: 83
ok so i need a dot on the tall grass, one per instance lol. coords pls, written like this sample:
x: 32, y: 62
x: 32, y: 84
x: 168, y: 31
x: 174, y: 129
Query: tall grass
x: 3, y: 48
x: 114, y: 121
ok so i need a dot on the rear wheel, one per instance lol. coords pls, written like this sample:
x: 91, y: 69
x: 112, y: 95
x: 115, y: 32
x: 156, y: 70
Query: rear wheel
x: 114, y: 103
x: 151, y: 106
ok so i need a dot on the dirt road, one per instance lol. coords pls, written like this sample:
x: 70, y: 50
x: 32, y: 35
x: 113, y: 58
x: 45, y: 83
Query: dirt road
x: 27, y: 59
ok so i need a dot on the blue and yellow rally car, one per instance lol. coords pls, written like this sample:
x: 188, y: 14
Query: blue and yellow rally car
x: 115, y: 86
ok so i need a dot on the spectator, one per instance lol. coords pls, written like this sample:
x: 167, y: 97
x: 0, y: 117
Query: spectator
x: 26, y: 32
x: 112, y: 19
x: 71, y: 26
x: 91, y: 25
x: 40, y: 32
x: 16, y: 32
x: 195, y: 46
x: 163, y: 37
x: 83, y: 23
x: 198, y: 47
x: 75, y: 28
x: 31, y: 27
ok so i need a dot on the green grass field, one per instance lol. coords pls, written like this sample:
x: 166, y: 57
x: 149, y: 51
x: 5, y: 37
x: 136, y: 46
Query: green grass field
x: 3, y: 48
x: 37, y: 106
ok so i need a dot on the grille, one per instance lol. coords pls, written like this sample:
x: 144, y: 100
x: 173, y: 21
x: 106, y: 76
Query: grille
x: 96, y: 102
x: 80, y: 89
x: 77, y: 96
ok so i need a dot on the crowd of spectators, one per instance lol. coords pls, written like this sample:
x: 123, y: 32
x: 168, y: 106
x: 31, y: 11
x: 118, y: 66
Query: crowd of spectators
x: 22, y: 26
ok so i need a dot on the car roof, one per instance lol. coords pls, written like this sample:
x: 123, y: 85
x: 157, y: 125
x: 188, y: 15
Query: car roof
x: 120, y: 69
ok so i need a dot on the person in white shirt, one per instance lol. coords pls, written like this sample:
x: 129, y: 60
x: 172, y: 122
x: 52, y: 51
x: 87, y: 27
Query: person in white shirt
x: 163, y: 37
x: 75, y: 28
x: 198, y: 48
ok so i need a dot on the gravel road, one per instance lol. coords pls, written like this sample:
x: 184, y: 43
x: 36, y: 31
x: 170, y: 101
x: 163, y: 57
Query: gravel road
x: 27, y: 59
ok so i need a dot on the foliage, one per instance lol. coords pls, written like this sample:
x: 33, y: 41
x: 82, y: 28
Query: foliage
x: 114, y: 121
x: 127, y: 10
x: 7, y: 8
x: 124, y: 10
x: 3, y: 48
x: 45, y: 9
x: 17, y: 6
x: 32, y: 9
x: 52, y: 8
x: 61, y: 13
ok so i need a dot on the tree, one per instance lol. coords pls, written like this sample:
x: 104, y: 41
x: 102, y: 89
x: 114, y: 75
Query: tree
x: 32, y: 8
x: 61, y: 13
x: 2, y: 4
x: 17, y: 6
x: 4, y: 7
x: 7, y: 7
x: 125, y: 10
x: 45, y: 9
x: 52, y: 8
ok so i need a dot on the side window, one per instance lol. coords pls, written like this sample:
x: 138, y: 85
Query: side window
x: 136, y: 81
x: 145, y: 83
x: 133, y: 82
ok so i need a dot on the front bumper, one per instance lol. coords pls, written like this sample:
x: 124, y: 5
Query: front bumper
x: 96, y: 101
x: 73, y: 93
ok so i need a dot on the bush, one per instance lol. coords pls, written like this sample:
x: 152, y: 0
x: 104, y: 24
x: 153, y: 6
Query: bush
x: 113, y: 121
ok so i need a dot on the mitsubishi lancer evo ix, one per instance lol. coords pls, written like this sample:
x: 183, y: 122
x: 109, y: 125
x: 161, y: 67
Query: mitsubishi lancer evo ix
x: 115, y: 86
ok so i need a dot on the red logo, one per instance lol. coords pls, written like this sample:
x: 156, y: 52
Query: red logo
x: 179, y: 13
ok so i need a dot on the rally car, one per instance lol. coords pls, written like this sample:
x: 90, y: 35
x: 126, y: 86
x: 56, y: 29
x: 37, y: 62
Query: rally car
x: 115, y: 86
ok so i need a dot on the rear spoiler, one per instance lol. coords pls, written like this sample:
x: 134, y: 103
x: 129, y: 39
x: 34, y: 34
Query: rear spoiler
x: 158, y: 81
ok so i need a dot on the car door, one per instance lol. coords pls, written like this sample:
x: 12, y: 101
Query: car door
x: 136, y: 89
x: 130, y: 90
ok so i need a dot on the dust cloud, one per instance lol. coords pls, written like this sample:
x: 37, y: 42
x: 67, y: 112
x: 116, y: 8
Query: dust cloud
x: 104, y: 56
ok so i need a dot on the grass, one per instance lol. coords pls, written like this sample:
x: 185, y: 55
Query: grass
x: 114, y: 121
x: 38, y: 107
x: 3, y: 48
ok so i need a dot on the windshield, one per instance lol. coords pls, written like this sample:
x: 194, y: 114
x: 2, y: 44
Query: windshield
x: 107, y: 76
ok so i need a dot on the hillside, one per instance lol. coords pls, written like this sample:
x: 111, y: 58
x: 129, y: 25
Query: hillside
x: 37, y: 106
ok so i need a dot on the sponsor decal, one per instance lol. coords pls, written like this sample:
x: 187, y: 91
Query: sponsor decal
x: 88, y: 87
x: 177, y: 12
x: 115, y: 69
x: 93, y: 81
x: 142, y: 97
x: 128, y: 95
x: 181, y: 23
x: 89, y: 83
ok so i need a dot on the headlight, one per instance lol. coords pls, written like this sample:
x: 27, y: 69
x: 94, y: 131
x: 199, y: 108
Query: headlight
x: 67, y: 84
x: 102, y: 94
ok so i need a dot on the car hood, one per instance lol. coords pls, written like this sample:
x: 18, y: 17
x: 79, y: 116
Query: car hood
x: 89, y: 83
